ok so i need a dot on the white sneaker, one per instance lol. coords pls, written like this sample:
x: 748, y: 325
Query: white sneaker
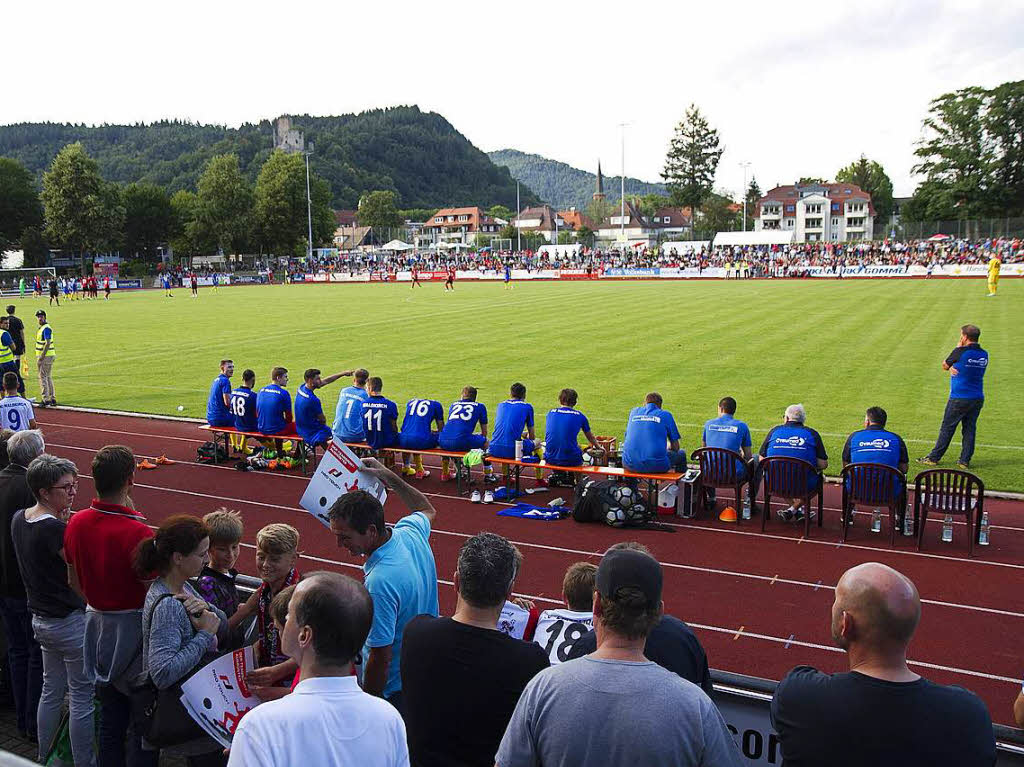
x: 475, y: 497
x: 488, y: 496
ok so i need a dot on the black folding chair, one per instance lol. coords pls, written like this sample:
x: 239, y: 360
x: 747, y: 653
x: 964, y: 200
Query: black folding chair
x: 948, y: 491
x: 791, y: 478
x: 721, y: 468
x: 874, y: 484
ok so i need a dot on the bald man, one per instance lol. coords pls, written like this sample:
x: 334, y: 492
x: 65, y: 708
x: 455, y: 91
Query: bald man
x: 879, y: 712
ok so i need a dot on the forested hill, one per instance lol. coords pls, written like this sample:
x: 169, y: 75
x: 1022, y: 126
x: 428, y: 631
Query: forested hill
x: 562, y: 185
x: 417, y: 154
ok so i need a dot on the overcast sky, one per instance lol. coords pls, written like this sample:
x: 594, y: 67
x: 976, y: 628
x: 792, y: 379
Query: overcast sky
x: 795, y: 88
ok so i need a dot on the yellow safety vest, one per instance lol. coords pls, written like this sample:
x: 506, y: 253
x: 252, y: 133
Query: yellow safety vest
x: 6, y: 355
x: 41, y: 342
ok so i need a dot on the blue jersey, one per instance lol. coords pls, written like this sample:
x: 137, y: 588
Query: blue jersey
x: 561, y: 431
x: 308, y: 411
x: 512, y: 417
x: 508, y: 274
x: 970, y: 362
x: 271, y: 404
x: 216, y: 411
x: 420, y: 416
x: 348, y: 415
x: 728, y: 433
x: 875, y: 444
x: 794, y: 440
x: 243, y: 409
x: 463, y: 416
x: 648, y: 431
x: 379, y: 415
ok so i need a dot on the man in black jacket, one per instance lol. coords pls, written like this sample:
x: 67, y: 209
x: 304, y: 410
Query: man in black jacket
x: 23, y: 654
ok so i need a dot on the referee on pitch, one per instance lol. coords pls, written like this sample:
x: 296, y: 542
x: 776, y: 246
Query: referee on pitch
x: 966, y: 364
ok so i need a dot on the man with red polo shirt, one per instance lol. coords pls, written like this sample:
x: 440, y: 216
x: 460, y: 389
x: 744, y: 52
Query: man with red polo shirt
x: 99, y: 545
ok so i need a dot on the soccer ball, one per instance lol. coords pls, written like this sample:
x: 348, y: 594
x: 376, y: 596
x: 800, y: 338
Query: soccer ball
x: 588, y: 459
x: 615, y: 516
x: 637, y: 512
x: 624, y: 496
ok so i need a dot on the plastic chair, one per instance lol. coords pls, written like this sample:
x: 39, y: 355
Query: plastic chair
x: 721, y: 468
x: 791, y: 478
x: 877, y: 485
x: 948, y: 491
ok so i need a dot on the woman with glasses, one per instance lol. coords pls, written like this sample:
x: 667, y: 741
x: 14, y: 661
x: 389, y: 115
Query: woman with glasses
x: 58, y: 613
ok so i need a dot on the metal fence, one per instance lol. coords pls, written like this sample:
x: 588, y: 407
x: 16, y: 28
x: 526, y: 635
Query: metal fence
x: 971, y: 229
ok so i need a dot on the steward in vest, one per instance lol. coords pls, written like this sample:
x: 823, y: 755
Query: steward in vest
x: 793, y: 439
x: 46, y: 353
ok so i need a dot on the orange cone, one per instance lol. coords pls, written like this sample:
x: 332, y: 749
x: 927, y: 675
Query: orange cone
x: 728, y: 514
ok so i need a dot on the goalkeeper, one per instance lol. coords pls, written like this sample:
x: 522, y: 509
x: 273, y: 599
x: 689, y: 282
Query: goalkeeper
x: 994, y: 264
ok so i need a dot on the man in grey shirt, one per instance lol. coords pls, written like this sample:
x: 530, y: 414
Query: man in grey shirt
x: 614, y: 707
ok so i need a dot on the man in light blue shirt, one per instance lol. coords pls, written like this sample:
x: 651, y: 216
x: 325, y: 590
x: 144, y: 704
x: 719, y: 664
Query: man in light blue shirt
x: 348, y: 415
x: 400, y: 572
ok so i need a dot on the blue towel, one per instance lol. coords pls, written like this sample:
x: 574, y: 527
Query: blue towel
x: 527, y: 511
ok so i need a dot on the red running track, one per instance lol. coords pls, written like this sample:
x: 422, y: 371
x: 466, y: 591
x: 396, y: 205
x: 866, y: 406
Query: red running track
x: 760, y: 603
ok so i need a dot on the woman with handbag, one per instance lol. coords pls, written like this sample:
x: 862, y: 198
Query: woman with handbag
x: 179, y: 635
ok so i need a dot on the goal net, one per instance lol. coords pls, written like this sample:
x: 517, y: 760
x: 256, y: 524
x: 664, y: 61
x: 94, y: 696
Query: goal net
x: 12, y: 280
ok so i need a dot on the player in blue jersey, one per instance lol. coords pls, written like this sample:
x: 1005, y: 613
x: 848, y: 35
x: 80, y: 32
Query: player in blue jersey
x: 652, y: 439
x: 457, y: 435
x: 562, y: 428
x: 729, y: 433
x: 794, y: 439
x: 514, y: 417
x: 508, y: 277
x: 310, y: 421
x: 966, y: 364
x: 218, y: 403
x: 416, y: 434
x: 348, y: 415
x: 274, y: 409
x: 380, y: 419
x: 242, y: 405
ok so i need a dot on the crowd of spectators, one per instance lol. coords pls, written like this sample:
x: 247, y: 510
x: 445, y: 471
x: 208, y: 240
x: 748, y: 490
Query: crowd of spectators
x: 370, y: 673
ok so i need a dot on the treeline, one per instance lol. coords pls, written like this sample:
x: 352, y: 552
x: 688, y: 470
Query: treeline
x: 418, y: 156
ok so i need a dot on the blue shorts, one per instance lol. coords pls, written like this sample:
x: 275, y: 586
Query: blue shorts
x: 509, y: 451
x: 566, y: 462
x: 469, y: 442
x: 320, y: 437
x: 418, y: 441
x: 227, y: 420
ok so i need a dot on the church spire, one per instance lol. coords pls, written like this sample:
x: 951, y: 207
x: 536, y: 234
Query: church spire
x: 599, y: 191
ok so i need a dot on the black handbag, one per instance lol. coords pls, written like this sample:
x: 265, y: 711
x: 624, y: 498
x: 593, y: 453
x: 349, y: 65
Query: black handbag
x: 159, y: 715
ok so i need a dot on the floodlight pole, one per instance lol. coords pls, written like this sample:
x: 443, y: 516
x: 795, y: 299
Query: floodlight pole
x: 519, y: 224
x: 745, y: 164
x: 309, y: 205
x: 622, y: 181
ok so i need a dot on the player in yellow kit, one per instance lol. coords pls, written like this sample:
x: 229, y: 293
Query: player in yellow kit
x: 993, y: 274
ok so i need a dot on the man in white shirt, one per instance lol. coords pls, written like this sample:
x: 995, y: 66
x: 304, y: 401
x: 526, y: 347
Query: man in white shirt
x: 16, y: 412
x: 327, y: 720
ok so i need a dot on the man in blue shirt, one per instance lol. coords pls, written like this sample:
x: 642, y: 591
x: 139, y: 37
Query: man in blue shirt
x: 515, y: 415
x: 793, y: 439
x: 218, y: 403
x: 416, y: 434
x: 508, y: 277
x: 648, y: 431
x: 561, y: 432
x: 729, y: 433
x: 400, y: 572
x: 457, y: 434
x: 310, y: 421
x: 274, y: 405
x: 243, y: 409
x: 348, y: 415
x: 380, y: 417
x: 966, y: 364
x: 875, y: 444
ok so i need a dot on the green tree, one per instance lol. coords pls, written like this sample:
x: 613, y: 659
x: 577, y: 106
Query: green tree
x: 19, y: 203
x: 566, y: 238
x: 76, y: 202
x: 649, y: 204
x: 753, y: 195
x: 692, y: 160
x: 185, y: 235
x: 148, y: 219
x: 599, y: 210
x: 717, y: 215
x: 379, y: 209
x: 1004, y: 122
x: 34, y: 246
x: 225, y: 203
x: 585, y: 236
x: 872, y: 178
x: 500, y: 211
x: 280, y: 207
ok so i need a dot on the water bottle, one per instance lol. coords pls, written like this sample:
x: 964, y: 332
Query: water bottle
x: 746, y: 508
x: 908, y: 524
x: 947, y: 529
x: 876, y: 521
x: 983, y: 530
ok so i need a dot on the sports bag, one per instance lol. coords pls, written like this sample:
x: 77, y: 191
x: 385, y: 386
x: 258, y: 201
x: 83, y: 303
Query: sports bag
x: 211, y: 452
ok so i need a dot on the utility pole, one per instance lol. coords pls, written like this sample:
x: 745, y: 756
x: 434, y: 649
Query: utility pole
x: 745, y: 164
x: 622, y: 182
x: 519, y: 231
x: 309, y: 205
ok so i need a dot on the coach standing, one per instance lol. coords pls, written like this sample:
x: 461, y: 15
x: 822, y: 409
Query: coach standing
x: 966, y: 364
x: 45, y: 355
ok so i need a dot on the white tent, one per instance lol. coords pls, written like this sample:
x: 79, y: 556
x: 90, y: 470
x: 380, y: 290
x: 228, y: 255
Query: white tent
x: 763, y: 237
x: 398, y: 246
x: 452, y: 245
x: 685, y: 246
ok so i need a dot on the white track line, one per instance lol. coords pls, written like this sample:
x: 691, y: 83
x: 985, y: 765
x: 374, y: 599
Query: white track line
x: 578, y: 552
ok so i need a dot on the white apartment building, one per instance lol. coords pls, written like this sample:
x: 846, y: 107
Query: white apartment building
x: 817, y: 212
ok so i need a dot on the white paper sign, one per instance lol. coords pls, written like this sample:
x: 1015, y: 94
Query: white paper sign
x: 217, y: 696
x: 338, y: 473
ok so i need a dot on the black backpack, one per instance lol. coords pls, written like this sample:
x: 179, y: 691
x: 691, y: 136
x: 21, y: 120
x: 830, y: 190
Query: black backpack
x: 211, y: 452
x: 594, y: 499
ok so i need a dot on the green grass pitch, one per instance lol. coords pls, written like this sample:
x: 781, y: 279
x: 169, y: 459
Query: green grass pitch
x: 837, y: 347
